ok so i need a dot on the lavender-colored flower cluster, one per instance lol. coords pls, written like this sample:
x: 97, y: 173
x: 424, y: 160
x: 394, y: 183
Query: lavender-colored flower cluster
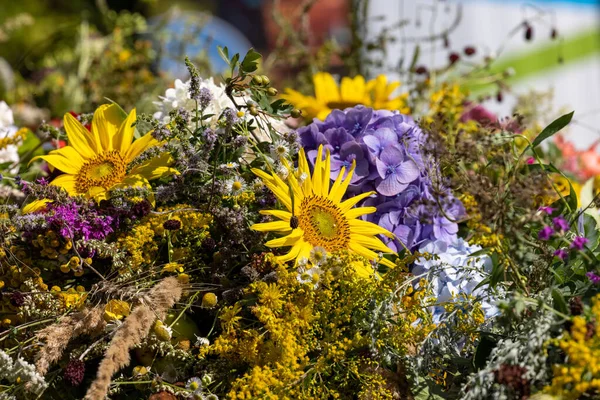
x: 388, y: 149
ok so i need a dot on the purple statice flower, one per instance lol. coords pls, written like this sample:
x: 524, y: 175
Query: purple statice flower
x: 561, y: 253
x: 595, y: 279
x: 579, y: 242
x: 387, y: 149
x: 560, y: 224
x: 545, y: 233
x: 546, y: 209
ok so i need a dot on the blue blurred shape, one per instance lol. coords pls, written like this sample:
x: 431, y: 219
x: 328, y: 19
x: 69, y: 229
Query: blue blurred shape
x: 212, y: 32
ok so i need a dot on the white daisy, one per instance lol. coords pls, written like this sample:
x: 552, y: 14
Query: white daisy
x: 235, y: 185
x: 279, y: 149
x: 310, y: 276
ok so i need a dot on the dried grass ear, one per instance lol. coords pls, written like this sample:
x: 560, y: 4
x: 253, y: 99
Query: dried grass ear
x: 57, y: 336
x: 134, y: 329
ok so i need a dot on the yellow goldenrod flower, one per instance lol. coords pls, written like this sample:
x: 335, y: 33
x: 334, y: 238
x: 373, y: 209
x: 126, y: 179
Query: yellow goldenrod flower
x: 97, y: 161
x: 320, y: 217
x: 376, y: 93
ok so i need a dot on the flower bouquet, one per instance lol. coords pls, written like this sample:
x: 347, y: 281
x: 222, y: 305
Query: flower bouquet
x: 225, y: 244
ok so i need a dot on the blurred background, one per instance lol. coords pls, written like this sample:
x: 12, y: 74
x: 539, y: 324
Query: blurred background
x: 58, y: 55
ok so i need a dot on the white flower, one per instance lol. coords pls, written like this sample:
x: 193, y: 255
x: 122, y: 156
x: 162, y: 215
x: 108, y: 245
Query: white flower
x: 309, y: 276
x: 179, y: 96
x: 8, y: 154
x: 6, y: 116
x: 23, y: 371
x: 282, y: 171
x: 318, y: 255
x: 235, y: 185
x: 194, y: 384
x: 229, y: 165
x: 279, y: 149
x: 202, y: 341
x: 302, y: 177
x: 454, y: 273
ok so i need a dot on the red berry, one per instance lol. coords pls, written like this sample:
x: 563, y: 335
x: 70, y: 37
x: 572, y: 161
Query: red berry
x: 470, y: 50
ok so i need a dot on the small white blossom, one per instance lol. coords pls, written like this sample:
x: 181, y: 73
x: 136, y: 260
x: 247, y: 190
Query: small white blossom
x: 235, y: 186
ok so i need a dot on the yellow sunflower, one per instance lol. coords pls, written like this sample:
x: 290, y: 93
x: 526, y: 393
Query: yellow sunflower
x: 97, y: 161
x: 320, y: 218
x: 376, y: 93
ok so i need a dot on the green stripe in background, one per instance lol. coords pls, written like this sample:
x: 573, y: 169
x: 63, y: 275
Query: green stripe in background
x: 546, y: 57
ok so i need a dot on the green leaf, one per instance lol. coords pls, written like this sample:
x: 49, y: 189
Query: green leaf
x: 249, y: 63
x: 551, y: 129
x: 479, y: 253
x: 497, y: 270
x: 31, y: 147
x: 591, y: 231
x: 426, y: 390
x: 122, y: 112
x: 224, y: 53
x: 559, y: 301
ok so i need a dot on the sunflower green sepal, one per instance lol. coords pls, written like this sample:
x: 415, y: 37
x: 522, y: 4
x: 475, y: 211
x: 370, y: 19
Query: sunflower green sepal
x: 97, y: 161
x: 322, y: 219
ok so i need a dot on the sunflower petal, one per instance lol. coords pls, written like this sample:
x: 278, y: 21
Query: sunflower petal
x: 326, y: 88
x: 317, y: 179
x: 368, y: 228
x: 337, y: 194
x: 282, y: 215
x: 105, y: 125
x: 286, y: 241
x: 156, y: 167
x: 352, y: 201
x: 303, y: 168
x: 79, y: 137
x: 293, y: 253
x: 370, y: 242
x: 66, y: 182
x: 35, y: 206
x: 124, y: 136
x: 369, y: 254
x: 359, y: 212
x: 65, y: 164
x: 139, y: 146
x: 278, y: 226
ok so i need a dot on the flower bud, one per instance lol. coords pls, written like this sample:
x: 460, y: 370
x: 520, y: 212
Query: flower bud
x: 209, y: 300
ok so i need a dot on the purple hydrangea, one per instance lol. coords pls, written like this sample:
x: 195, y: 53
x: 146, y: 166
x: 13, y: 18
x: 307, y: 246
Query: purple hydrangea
x: 387, y: 148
